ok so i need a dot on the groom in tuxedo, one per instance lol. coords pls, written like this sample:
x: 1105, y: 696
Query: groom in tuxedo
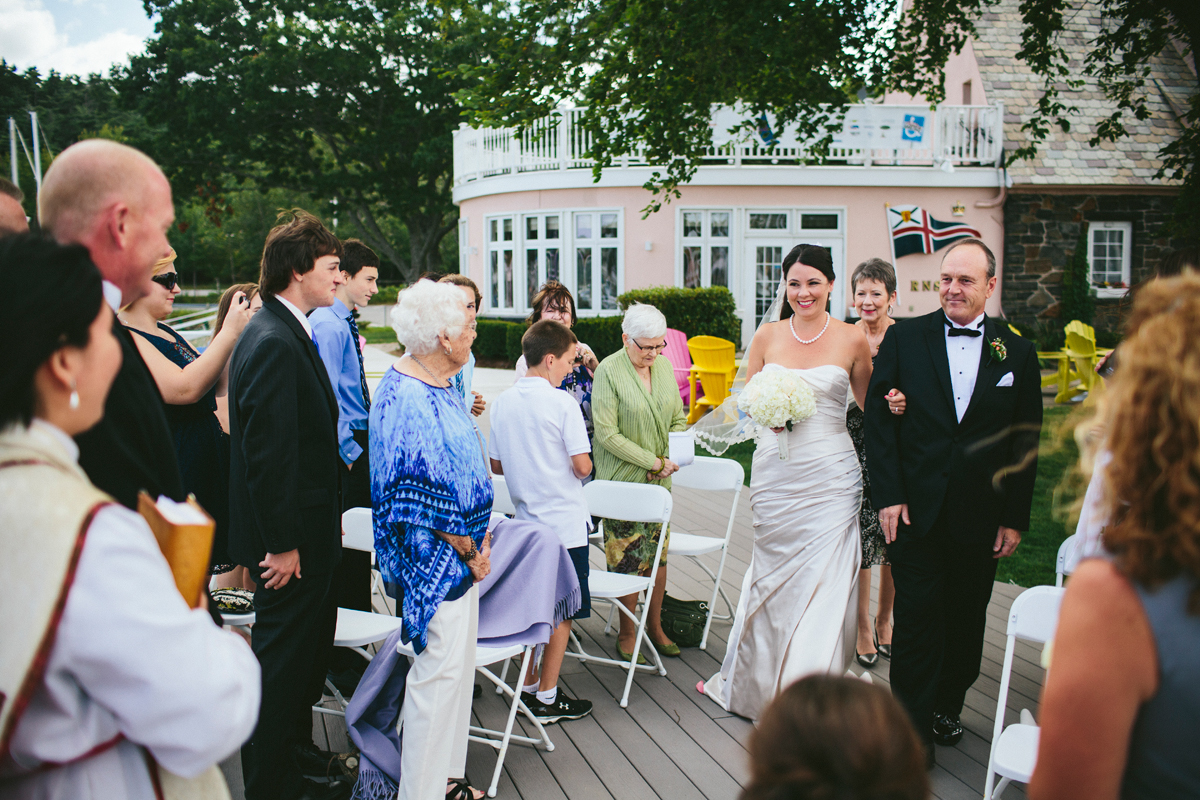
x: 952, y: 479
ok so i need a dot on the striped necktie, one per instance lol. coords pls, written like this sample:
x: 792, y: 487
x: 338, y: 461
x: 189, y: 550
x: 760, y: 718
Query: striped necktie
x: 362, y: 372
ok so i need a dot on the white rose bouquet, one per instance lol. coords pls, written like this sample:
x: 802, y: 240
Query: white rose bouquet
x: 776, y: 399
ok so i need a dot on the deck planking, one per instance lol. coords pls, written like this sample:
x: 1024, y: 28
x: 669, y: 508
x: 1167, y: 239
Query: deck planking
x: 672, y: 742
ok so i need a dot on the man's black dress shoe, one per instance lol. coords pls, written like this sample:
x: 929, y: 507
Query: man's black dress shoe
x: 314, y: 762
x: 947, y: 729
x: 334, y: 790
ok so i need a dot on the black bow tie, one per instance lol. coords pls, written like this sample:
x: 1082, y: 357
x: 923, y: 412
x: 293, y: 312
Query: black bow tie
x: 972, y: 332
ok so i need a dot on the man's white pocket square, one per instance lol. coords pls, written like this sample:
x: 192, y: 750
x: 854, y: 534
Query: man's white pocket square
x: 1005, y: 381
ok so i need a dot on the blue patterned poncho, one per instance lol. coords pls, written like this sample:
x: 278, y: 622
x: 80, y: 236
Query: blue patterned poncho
x: 427, y: 475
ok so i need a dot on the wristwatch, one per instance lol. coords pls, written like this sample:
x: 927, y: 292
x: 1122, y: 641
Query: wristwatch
x: 469, y: 556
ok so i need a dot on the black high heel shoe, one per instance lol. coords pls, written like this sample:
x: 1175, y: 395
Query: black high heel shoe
x: 885, y: 650
x: 869, y: 660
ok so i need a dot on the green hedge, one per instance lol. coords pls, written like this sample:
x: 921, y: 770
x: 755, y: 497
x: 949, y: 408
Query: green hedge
x: 500, y: 339
x: 696, y: 312
x: 386, y: 295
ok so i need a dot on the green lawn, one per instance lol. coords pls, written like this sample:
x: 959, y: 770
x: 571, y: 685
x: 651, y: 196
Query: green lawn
x: 1033, y: 563
x: 378, y: 334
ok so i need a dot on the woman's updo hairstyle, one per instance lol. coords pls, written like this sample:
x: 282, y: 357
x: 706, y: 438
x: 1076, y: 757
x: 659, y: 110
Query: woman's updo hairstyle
x: 810, y: 255
x: 54, y: 295
x: 835, y: 738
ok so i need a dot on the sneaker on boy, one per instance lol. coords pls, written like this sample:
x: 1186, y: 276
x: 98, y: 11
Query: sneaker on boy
x: 562, y: 707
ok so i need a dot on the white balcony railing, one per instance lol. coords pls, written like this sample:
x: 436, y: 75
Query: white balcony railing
x: 871, y: 135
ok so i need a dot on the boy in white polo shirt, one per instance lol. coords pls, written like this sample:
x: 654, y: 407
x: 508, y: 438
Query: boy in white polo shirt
x: 539, y: 444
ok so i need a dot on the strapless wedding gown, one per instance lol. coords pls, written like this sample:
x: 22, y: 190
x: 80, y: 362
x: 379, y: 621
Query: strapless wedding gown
x: 796, y: 615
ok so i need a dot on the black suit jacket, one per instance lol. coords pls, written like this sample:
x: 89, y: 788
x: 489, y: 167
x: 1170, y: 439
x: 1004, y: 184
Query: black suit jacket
x: 982, y: 470
x: 283, y: 492
x: 131, y: 448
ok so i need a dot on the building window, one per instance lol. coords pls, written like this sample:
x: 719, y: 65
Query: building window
x: 706, y: 245
x: 543, y: 253
x: 966, y: 96
x: 599, y: 254
x: 768, y: 272
x: 501, y: 284
x: 768, y: 222
x: 1108, y: 255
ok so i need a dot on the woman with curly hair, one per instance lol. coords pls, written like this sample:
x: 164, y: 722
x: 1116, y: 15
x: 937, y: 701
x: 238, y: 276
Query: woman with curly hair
x: 1121, y: 704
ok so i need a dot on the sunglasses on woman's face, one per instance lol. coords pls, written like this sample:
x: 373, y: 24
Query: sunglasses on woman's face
x: 167, y: 280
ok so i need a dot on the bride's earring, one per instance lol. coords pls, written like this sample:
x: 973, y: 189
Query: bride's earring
x: 73, y: 400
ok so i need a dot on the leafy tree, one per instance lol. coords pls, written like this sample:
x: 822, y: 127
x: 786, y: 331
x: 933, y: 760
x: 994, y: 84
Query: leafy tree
x: 346, y: 101
x: 649, y: 72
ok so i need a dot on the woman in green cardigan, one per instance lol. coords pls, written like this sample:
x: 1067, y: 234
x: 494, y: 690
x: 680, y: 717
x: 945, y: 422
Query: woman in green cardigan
x: 635, y: 405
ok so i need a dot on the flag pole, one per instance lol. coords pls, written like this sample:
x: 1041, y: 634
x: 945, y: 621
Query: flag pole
x: 892, y: 246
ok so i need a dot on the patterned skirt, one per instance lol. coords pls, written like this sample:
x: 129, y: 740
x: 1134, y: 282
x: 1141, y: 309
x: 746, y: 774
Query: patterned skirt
x: 874, y: 546
x: 629, y: 546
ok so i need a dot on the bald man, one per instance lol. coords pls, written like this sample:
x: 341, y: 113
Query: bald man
x: 116, y: 202
x: 12, y: 213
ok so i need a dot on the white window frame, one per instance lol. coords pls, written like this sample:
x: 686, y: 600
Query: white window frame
x: 541, y: 244
x: 495, y: 247
x: 706, y: 242
x: 1107, y: 292
x: 464, y: 247
x: 597, y: 244
x: 568, y: 244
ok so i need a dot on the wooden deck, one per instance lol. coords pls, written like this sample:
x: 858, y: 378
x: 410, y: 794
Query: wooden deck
x: 673, y: 743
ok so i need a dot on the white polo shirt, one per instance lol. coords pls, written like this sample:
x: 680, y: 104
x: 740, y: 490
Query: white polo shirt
x: 535, y: 429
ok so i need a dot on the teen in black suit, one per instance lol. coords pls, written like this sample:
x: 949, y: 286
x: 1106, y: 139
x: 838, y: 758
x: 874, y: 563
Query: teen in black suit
x: 953, y: 480
x: 284, y: 505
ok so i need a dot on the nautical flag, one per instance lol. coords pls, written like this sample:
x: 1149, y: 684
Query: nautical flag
x: 914, y: 231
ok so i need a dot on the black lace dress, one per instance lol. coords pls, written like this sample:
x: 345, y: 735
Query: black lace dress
x: 874, y: 548
x: 200, y: 445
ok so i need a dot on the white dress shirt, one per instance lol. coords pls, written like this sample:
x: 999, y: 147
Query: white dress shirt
x: 304, y: 323
x: 964, y: 353
x: 130, y: 659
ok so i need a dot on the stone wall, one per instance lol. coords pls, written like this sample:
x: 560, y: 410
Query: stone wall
x: 1041, y: 232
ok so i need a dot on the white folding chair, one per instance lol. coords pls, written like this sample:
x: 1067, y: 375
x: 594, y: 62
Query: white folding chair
x: 358, y: 533
x: 1065, y: 551
x: 501, y: 739
x: 629, y: 502
x: 357, y: 629
x: 711, y: 475
x: 1033, y: 617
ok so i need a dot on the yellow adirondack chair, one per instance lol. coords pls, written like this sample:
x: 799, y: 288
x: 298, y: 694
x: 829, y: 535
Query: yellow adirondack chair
x: 1081, y: 349
x: 714, y: 366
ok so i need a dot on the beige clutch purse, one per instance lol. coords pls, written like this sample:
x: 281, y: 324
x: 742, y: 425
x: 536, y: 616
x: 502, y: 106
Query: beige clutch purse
x: 185, y: 536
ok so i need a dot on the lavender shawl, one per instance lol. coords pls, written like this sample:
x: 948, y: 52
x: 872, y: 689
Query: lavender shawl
x: 518, y: 604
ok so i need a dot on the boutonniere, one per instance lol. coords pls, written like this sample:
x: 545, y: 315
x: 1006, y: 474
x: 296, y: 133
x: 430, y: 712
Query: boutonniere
x: 998, y: 350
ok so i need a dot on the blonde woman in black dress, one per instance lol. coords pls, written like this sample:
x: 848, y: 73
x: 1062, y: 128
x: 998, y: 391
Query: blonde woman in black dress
x: 874, y: 287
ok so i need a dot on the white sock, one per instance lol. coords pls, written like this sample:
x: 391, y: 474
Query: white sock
x: 530, y: 687
x: 548, y: 696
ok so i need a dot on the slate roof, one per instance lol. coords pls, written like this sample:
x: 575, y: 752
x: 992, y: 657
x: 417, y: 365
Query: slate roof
x: 1066, y: 158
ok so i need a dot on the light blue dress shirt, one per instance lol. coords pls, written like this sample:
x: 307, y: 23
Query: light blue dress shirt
x: 339, y: 351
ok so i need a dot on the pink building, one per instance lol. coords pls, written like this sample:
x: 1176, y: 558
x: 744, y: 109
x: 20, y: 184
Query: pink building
x: 529, y: 210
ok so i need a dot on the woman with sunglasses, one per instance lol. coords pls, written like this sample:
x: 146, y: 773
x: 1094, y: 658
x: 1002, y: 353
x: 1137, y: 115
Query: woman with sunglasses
x: 635, y: 406
x: 188, y: 382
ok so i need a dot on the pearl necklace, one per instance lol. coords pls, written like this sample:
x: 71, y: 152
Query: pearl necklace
x: 792, y: 328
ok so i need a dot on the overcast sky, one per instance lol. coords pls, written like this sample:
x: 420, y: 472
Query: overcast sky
x: 71, y: 36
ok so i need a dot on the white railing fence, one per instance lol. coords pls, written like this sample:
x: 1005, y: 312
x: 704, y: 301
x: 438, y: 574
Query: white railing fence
x: 876, y: 135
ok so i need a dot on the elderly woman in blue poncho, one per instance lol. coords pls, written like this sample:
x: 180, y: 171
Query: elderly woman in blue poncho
x: 432, y: 496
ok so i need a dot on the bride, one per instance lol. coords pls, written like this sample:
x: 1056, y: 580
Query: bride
x: 794, y: 609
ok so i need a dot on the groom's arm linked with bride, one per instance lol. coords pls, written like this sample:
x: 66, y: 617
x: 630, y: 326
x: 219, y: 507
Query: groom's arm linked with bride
x: 953, y: 479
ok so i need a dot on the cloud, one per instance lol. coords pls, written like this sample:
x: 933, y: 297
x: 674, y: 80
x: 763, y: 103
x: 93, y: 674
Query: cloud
x: 29, y: 37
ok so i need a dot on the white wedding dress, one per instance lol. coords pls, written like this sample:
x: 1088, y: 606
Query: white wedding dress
x: 796, y: 615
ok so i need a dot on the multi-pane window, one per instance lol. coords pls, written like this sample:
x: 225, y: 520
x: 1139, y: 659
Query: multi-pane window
x: 597, y: 258
x: 768, y: 272
x: 706, y: 248
x: 1108, y: 253
x: 770, y: 221
x: 500, y: 263
x: 543, y: 252
x: 582, y: 250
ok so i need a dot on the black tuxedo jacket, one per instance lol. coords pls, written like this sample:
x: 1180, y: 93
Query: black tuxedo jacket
x: 283, y: 491
x: 980, y: 471
x: 131, y: 449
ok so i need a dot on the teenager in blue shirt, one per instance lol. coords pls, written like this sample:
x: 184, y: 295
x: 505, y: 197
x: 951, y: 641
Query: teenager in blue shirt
x: 336, y: 335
